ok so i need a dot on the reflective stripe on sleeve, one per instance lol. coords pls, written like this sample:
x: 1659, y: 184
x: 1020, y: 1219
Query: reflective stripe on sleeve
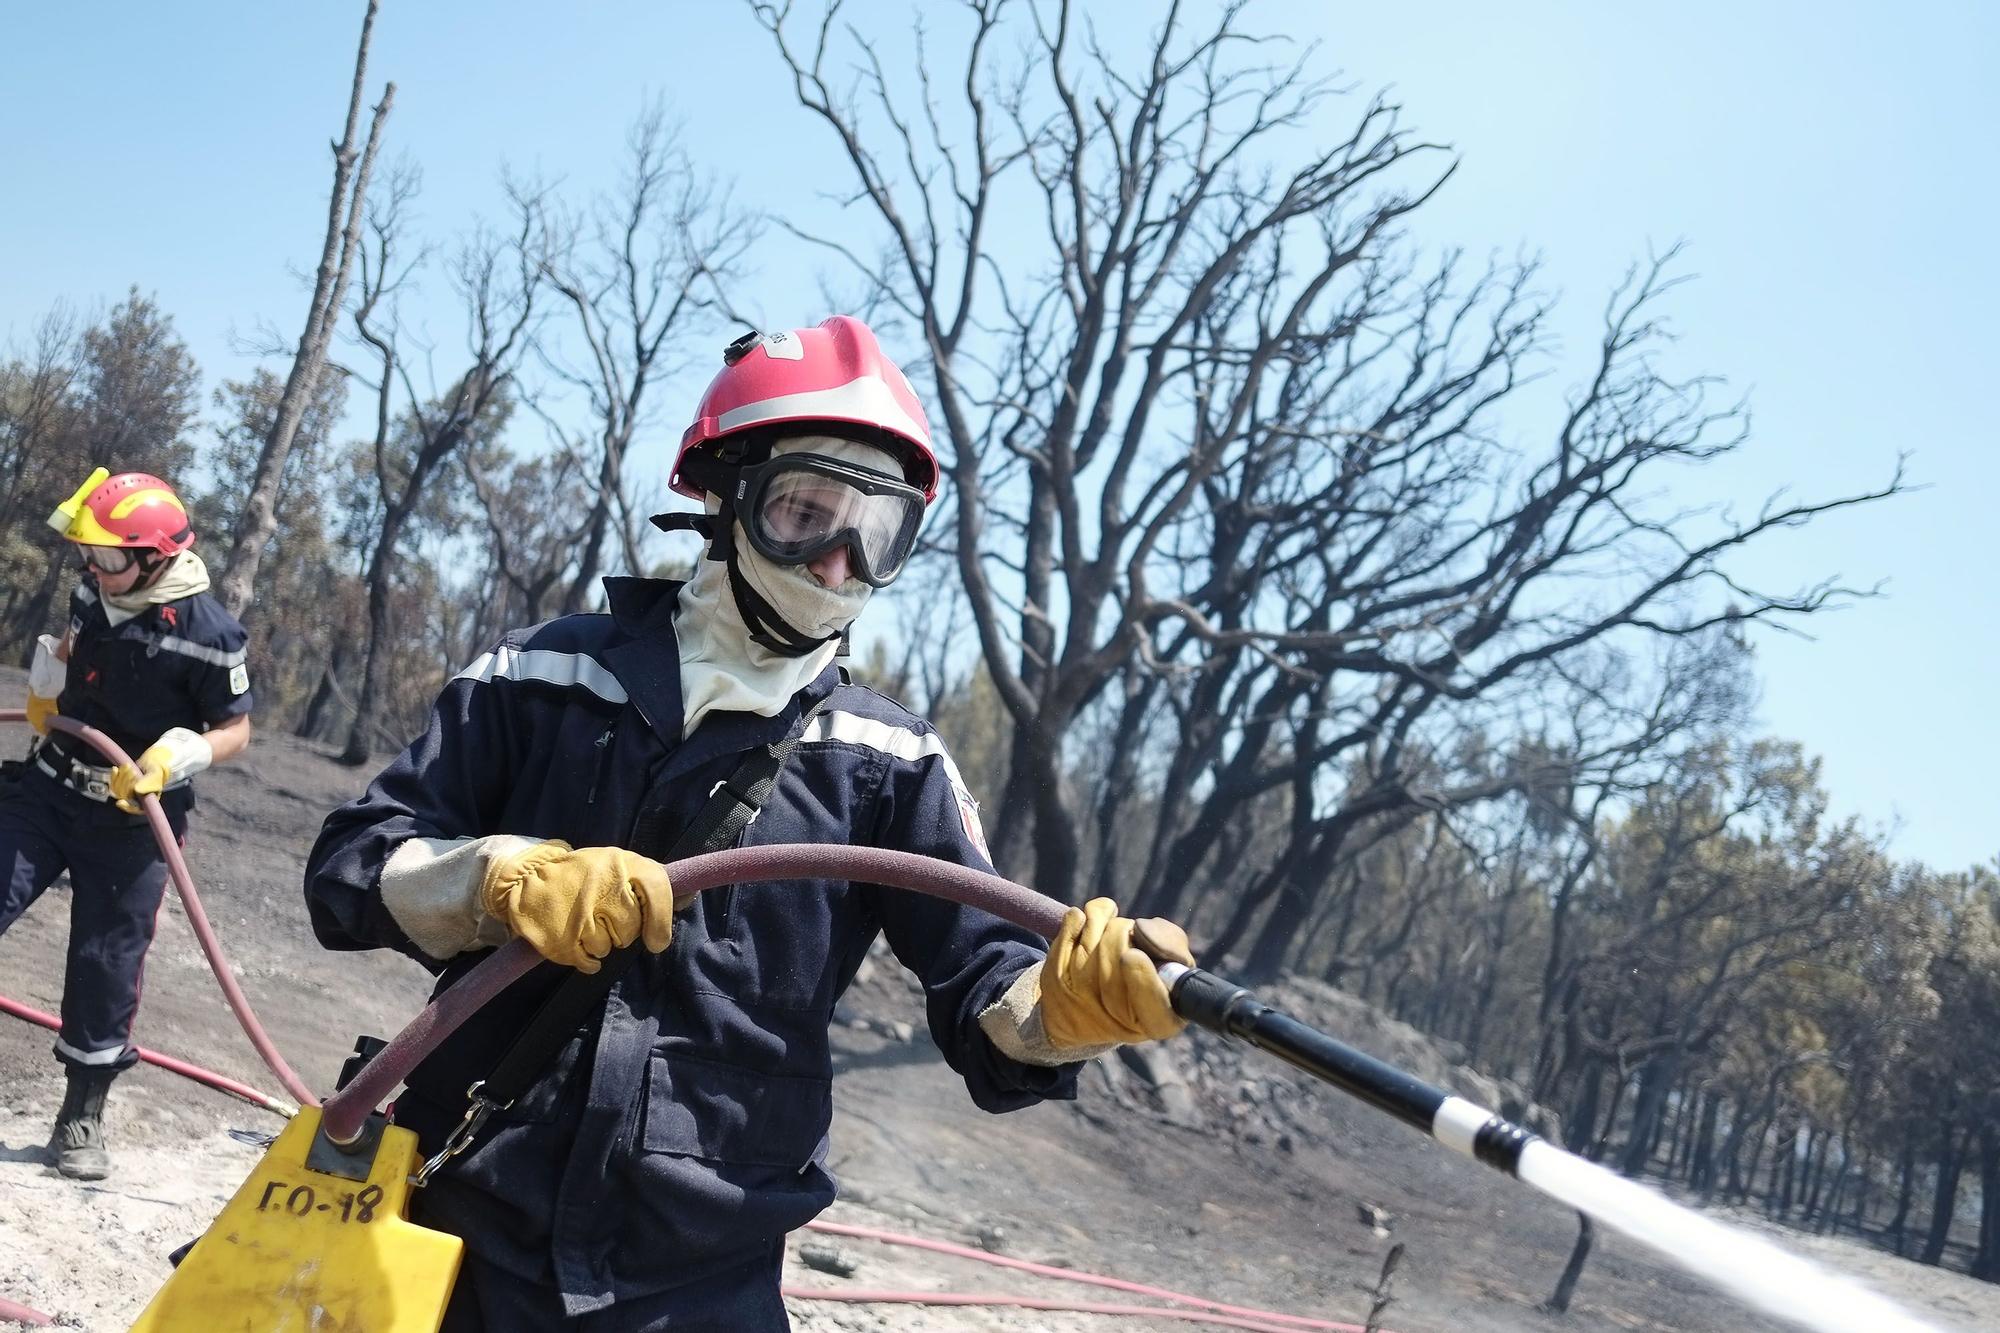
x: 200, y: 652
x: 548, y: 667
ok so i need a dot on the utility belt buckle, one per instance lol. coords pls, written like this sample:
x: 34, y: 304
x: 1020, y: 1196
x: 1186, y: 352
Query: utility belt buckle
x: 479, y: 1106
x: 86, y: 780
x: 90, y: 779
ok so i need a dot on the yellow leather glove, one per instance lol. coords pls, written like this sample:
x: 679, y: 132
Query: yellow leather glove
x: 1098, y: 987
x: 179, y: 753
x: 40, y: 709
x: 147, y: 777
x: 577, y: 904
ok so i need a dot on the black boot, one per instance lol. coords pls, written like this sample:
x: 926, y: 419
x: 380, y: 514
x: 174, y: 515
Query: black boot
x: 78, y: 1141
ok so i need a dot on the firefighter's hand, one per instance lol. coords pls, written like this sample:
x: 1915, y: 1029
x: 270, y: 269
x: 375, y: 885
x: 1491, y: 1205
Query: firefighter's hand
x: 129, y: 782
x: 577, y: 904
x: 40, y: 709
x: 178, y: 754
x: 1099, y: 987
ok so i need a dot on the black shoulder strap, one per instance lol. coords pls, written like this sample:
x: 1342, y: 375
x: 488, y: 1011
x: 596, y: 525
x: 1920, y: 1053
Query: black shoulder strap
x: 731, y: 806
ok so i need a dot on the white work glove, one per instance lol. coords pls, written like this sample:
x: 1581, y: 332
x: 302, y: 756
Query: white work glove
x: 433, y: 887
x: 177, y: 755
x: 47, y: 674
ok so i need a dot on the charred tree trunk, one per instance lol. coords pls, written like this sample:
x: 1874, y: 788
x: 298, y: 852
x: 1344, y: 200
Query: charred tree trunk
x: 237, y: 586
x: 1602, y: 1143
x: 1864, y: 1186
x: 312, y: 725
x: 1898, y: 1226
x: 1053, y: 859
x: 35, y: 620
x: 1581, y: 1123
x: 1558, y: 1302
x: 1829, y: 1216
x: 1784, y: 1172
x: 1701, y: 1157
x: 1012, y: 833
x: 1952, y: 1148
x: 1654, y: 1080
x: 1678, y: 1131
x: 381, y: 570
x: 1741, y: 1187
x: 1818, y: 1147
x: 1271, y: 948
x: 1986, y: 1260
x: 591, y: 563
x: 1299, y: 875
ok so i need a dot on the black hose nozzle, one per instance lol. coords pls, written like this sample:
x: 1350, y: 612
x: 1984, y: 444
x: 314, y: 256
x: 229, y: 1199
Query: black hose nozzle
x: 1224, y: 1007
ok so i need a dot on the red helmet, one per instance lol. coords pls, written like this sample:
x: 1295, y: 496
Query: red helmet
x: 131, y: 509
x: 835, y: 374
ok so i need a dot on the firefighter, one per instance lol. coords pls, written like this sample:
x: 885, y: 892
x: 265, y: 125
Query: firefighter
x: 647, y: 1179
x: 154, y: 662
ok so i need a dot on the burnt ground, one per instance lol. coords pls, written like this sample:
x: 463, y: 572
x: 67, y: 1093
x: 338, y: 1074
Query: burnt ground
x: 1245, y: 1184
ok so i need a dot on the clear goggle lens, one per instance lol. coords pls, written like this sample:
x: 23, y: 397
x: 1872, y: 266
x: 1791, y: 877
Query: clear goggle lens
x: 108, y: 559
x: 802, y: 506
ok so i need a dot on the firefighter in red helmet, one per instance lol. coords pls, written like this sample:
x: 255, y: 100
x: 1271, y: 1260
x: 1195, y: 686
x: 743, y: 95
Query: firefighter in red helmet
x: 638, y: 1169
x: 154, y: 662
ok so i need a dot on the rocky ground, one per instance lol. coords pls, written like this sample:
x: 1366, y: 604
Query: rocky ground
x: 1223, y: 1175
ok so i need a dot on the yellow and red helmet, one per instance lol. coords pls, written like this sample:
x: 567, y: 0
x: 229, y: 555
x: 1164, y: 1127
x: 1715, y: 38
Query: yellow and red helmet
x: 133, y: 510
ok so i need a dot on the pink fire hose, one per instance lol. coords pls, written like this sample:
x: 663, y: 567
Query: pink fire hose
x: 220, y: 1082
x: 347, y: 1111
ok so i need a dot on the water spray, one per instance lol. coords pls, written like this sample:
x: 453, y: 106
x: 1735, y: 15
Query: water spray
x: 1747, y: 1266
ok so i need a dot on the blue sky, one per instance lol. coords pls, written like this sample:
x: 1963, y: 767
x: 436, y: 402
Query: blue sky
x: 1831, y: 168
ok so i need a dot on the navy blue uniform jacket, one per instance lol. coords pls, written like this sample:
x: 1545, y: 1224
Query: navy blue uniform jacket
x: 685, y: 1132
x: 178, y: 664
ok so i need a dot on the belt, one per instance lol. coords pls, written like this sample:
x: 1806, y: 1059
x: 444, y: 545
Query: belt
x: 90, y: 781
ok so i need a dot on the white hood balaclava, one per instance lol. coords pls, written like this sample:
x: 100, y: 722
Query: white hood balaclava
x: 185, y: 576
x: 722, y: 669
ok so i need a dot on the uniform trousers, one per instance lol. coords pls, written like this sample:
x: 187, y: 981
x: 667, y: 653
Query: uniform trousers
x: 117, y: 879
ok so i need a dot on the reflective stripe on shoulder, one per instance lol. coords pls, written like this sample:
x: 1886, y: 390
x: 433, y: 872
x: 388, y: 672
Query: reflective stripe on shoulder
x: 200, y: 652
x: 86, y: 594
x: 897, y: 742
x: 901, y: 743
x: 548, y: 667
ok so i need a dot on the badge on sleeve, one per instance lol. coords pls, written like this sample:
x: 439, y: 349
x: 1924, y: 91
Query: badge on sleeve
x: 239, y: 678
x: 968, y: 814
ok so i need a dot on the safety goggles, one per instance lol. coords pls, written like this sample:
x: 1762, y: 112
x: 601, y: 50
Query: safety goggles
x: 109, y: 559
x: 798, y: 507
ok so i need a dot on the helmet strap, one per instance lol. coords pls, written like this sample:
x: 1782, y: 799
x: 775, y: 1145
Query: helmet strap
x: 701, y: 524
x: 152, y: 564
